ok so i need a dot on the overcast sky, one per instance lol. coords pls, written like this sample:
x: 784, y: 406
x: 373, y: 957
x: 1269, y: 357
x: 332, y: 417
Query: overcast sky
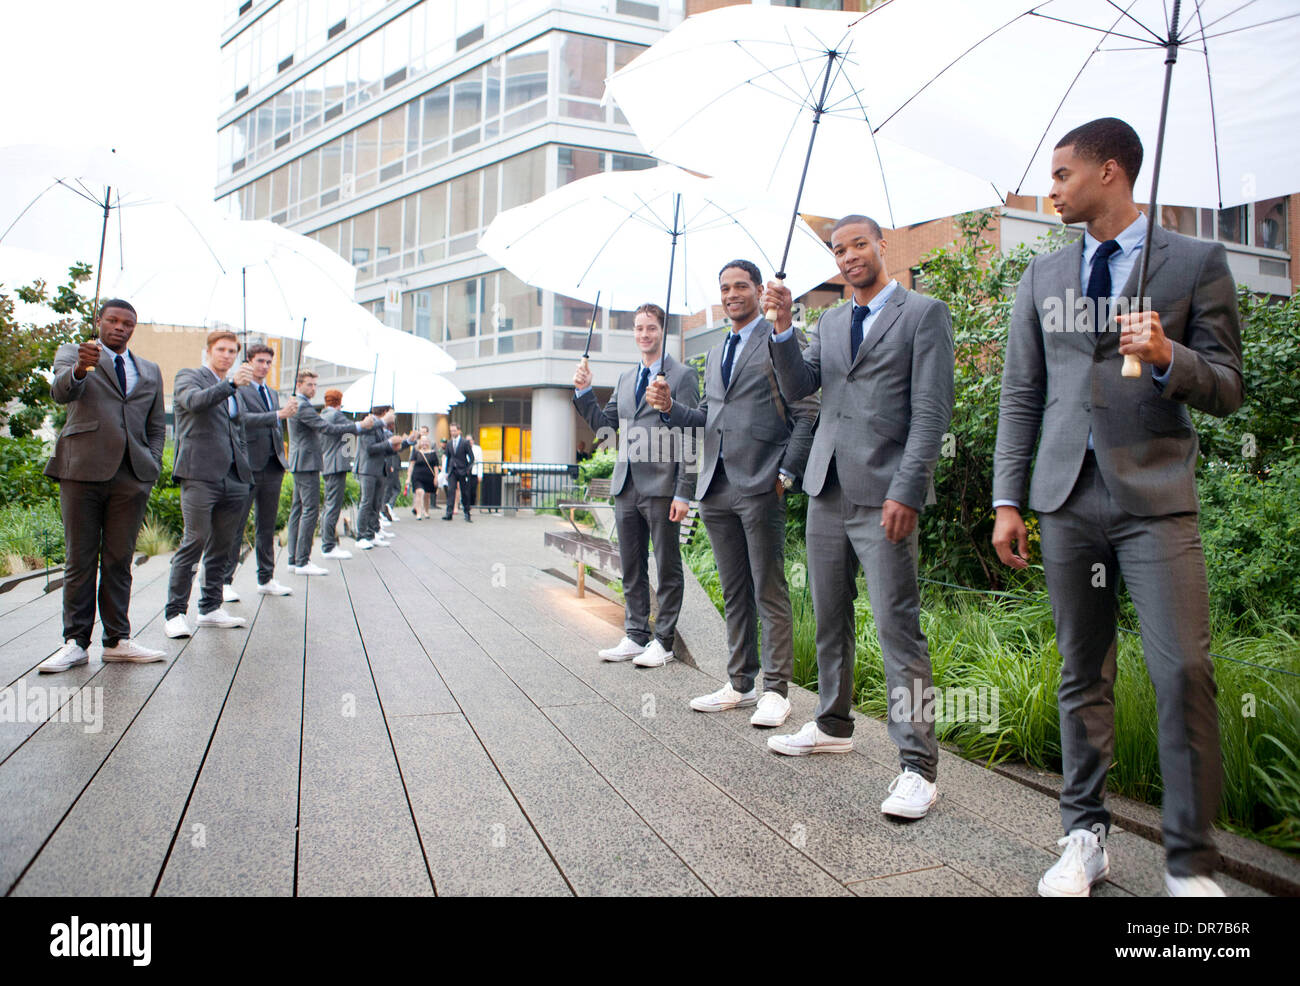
x: 138, y: 75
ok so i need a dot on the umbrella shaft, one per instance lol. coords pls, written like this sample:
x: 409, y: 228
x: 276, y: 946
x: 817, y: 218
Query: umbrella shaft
x: 807, y: 158
x: 672, y: 260
x: 1153, y: 208
x: 99, y: 267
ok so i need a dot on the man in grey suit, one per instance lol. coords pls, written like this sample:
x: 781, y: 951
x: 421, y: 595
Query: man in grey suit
x: 212, y: 468
x: 1114, y: 487
x: 651, y: 486
x: 263, y: 417
x: 336, y: 463
x: 305, y: 462
x: 106, y: 460
x: 373, y: 467
x: 753, y: 454
x: 885, y: 366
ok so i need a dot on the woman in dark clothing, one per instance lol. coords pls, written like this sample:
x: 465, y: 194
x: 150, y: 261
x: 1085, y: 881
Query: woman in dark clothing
x: 424, y: 477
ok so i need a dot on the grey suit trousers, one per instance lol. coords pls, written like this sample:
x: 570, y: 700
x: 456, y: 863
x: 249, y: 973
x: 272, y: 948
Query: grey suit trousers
x: 212, y: 512
x: 303, y: 511
x: 840, y: 536
x: 641, y: 520
x: 1163, y: 565
x: 264, y: 503
x: 372, y: 489
x: 100, y: 524
x: 336, y: 485
x: 748, y: 537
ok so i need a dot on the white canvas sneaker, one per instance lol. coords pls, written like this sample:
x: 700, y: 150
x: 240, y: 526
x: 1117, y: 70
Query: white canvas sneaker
x: 723, y: 699
x: 273, y: 588
x: 1083, y: 863
x: 128, y: 651
x: 654, y: 656
x: 310, y: 569
x: 177, y: 627
x: 68, y: 656
x: 625, y: 650
x: 220, y: 618
x: 809, y: 740
x: 364, y: 544
x: 910, y: 796
x: 773, y: 710
x: 229, y: 594
x: 337, y: 554
x: 1192, y: 886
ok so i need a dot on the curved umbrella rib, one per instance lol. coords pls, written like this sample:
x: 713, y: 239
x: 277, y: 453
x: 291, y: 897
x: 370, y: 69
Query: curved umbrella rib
x: 27, y: 208
x: 1251, y: 27
x: 1214, y: 119
x: 1102, y: 31
x: 1125, y: 12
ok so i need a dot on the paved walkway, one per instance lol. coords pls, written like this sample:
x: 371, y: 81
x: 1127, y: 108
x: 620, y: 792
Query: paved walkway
x: 432, y: 718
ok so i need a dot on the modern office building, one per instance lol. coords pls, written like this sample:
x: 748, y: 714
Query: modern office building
x: 395, y: 131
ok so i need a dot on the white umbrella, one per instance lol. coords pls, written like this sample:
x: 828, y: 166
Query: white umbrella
x: 352, y: 336
x: 404, y: 391
x: 637, y: 236
x: 779, y: 99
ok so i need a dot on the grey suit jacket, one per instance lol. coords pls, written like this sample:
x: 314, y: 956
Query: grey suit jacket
x: 263, y: 430
x: 884, y: 413
x: 373, y: 452
x: 305, y: 430
x: 208, y: 440
x: 103, y: 424
x: 1066, y: 382
x: 336, y: 450
x: 744, y: 423
x: 648, y: 450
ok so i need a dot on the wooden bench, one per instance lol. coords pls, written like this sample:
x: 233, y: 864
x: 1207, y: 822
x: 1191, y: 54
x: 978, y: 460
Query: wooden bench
x: 600, y: 550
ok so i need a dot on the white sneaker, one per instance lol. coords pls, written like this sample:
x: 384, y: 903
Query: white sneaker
x: 363, y: 544
x: 910, y: 796
x: 394, y: 518
x: 177, y: 627
x: 273, y: 588
x: 1192, y: 886
x: 385, y: 522
x: 1083, y: 863
x: 228, y: 594
x: 773, y: 710
x: 68, y: 656
x: 625, y: 650
x: 723, y: 699
x: 128, y: 651
x: 310, y: 569
x: 654, y: 656
x: 337, y: 554
x: 220, y: 618
x: 808, y: 740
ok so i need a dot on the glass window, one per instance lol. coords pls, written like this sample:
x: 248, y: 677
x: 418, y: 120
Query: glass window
x: 579, y: 162
x: 523, y: 178
x: 1232, y: 224
x: 467, y: 100
x: 491, y: 192
x: 433, y: 223
x: 393, y: 136
x: 582, y: 66
x: 464, y: 193
x: 309, y: 179
x: 1180, y: 219
x: 436, y: 117
x: 370, y: 66
x: 520, y: 304
x: 410, y: 206
x: 1271, y: 224
x: 526, y: 74
x: 463, y: 308
x: 630, y: 162
x: 363, y: 243
x: 388, y: 241
x: 331, y: 160
x: 367, y: 138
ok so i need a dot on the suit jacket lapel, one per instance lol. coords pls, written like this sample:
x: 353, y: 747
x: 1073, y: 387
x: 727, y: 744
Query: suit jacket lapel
x: 757, y: 335
x: 109, y: 368
x: 883, y: 323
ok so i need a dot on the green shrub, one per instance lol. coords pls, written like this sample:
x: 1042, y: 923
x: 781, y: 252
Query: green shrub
x: 22, y: 472
x: 30, y: 536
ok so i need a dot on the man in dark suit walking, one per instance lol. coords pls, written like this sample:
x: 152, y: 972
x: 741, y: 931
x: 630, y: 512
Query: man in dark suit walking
x: 375, y: 450
x: 1114, y: 487
x: 651, y: 487
x: 212, y: 468
x: 106, y: 460
x: 885, y: 366
x: 263, y: 417
x: 337, y: 454
x: 460, y: 459
x: 755, y: 448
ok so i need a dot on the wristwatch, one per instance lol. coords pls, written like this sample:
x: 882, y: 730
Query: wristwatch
x: 787, y: 481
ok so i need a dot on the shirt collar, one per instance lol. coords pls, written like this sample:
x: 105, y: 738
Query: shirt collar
x: 747, y: 330
x: 878, y: 302
x: 1129, y: 241
x: 655, y: 368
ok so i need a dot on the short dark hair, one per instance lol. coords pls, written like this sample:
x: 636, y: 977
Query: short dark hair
x: 379, y: 410
x: 855, y: 218
x: 751, y: 269
x: 257, y: 349
x: 1107, y: 138
x: 653, y: 310
x: 117, y: 303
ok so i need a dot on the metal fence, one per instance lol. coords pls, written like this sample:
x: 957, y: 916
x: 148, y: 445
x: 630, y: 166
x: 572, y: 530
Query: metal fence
x: 512, y: 486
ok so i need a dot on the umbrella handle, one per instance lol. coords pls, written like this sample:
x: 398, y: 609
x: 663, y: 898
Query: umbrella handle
x: 772, y: 313
x: 1132, y: 366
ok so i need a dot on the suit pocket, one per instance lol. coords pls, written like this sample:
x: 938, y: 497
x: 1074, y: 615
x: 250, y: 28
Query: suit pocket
x: 80, y: 427
x: 891, y: 428
x: 1165, y: 417
x: 767, y: 433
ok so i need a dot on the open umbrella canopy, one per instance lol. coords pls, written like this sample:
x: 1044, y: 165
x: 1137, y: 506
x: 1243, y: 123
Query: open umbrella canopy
x: 619, y: 234
x: 417, y: 393
x: 351, y: 336
x: 993, y: 85
x: 740, y: 93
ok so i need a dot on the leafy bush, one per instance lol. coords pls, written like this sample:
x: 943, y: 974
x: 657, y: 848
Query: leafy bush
x: 22, y: 472
x: 30, y: 536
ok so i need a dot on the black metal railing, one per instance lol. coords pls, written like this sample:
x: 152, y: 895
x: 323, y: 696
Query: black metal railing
x: 512, y: 486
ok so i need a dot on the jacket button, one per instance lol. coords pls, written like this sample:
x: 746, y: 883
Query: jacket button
x: 1098, y: 356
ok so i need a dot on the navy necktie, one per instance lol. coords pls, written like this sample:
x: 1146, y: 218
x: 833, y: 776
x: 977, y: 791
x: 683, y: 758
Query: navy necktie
x: 729, y: 358
x: 855, y: 330
x: 119, y: 364
x: 641, y: 381
x: 266, y: 398
x: 1099, y: 282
